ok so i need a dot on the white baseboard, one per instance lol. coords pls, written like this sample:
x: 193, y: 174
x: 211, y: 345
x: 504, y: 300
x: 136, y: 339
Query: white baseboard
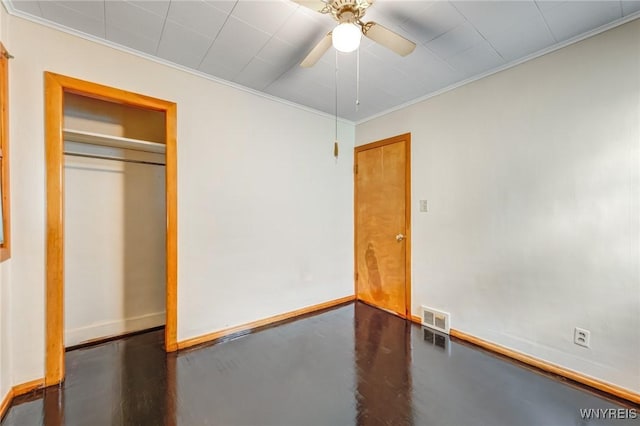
x: 112, y: 328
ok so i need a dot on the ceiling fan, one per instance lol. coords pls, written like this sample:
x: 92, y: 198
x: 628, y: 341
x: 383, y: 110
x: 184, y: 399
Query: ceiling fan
x: 346, y: 36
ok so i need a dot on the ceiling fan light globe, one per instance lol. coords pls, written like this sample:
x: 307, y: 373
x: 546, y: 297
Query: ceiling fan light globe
x: 346, y: 37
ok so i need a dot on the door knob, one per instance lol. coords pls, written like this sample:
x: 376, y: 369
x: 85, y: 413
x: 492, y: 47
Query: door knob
x: 399, y: 237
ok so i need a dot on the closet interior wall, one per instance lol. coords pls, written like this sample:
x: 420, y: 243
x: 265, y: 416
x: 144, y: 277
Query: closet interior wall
x: 115, y: 221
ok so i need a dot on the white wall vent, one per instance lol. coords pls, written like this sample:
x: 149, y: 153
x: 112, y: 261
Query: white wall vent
x: 435, y: 319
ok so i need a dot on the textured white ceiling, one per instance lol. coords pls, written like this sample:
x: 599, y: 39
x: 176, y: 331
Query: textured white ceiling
x: 259, y: 44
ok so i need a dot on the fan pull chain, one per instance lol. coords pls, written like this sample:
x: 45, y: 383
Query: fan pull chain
x: 335, y: 143
x: 358, y: 79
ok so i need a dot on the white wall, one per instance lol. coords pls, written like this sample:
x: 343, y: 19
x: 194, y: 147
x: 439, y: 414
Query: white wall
x: 114, y: 244
x: 532, y: 180
x: 5, y: 342
x: 264, y: 211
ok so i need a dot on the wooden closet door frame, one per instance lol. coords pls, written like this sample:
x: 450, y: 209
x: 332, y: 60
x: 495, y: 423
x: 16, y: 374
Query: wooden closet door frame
x: 406, y: 137
x: 55, y: 87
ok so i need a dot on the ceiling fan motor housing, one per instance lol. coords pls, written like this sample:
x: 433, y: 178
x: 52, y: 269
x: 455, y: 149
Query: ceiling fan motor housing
x: 348, y: 11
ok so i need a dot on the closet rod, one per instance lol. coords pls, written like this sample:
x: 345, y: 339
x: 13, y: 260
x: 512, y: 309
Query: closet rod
x: 104, y: 157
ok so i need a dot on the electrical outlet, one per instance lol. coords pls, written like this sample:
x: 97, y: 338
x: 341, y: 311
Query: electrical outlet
x: 423, y: 206
x: 581, y: 337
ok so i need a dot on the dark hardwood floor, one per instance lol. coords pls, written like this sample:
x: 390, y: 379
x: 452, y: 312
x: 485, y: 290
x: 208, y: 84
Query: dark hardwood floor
x: 353, y: 365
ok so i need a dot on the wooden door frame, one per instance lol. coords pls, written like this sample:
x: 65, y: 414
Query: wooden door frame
x: 406, y: 137
x: 55, y: 87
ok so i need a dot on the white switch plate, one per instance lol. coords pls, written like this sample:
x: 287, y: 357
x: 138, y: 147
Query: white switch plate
x: 423, y: 206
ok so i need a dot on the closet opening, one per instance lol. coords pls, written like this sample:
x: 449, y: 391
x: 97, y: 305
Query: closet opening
x: 111, y: 216
x: 114, y: 210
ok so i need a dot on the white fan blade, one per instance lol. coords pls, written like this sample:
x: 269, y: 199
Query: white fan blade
x: 317, y: 52
x: 317, y: 5
x: 387, y: 38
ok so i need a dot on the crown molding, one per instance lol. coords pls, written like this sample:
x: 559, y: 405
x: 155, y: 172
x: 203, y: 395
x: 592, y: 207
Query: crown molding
x: 11, y: 10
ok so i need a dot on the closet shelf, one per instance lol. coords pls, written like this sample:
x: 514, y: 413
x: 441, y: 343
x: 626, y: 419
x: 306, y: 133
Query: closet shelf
x: 113, y: 141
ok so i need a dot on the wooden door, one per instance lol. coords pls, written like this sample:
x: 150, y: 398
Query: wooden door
x: 382, y: 224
